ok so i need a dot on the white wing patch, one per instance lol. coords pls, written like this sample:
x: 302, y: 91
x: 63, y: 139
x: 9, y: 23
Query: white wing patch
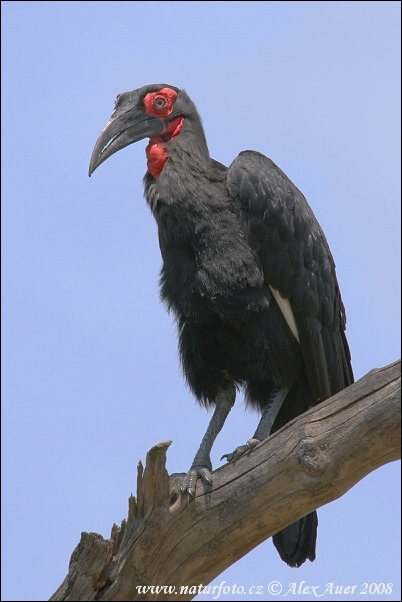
x: 284, y: 306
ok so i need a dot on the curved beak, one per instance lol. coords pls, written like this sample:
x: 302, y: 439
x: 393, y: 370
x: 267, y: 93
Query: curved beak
x: 127, y: 124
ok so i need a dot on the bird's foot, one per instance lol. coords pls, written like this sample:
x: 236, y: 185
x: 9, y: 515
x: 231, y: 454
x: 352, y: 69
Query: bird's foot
x: 190, y: 480
x: 241, y: 450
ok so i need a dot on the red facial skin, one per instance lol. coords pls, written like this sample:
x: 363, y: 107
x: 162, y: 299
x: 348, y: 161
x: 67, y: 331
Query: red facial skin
x: 160, y: 104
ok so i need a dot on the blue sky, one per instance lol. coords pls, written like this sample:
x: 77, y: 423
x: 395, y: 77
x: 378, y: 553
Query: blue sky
x: 90, y: 376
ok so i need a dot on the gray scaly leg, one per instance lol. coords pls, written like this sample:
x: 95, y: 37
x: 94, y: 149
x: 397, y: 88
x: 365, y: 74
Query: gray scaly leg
x: 264, y: 427
x: 202, y: 466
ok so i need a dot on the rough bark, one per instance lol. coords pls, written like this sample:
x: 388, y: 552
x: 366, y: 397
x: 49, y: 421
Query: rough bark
x: 167, y: 541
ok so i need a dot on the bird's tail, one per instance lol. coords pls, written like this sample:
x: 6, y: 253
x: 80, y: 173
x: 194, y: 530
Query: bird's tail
x: 296, y: 543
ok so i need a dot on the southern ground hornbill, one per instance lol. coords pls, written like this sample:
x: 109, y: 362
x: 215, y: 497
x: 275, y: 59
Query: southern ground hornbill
x: 248, y: 274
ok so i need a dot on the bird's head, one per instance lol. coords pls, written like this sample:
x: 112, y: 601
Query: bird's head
x: 156, y: 111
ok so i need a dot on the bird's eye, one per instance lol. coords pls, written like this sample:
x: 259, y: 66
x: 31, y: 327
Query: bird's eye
x: 160, y: 102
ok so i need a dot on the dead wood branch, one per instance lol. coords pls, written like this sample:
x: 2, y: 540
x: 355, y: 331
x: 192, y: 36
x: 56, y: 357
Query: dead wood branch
x: 166, y: 541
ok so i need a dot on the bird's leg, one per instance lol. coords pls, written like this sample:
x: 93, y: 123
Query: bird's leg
x: 264, y: 427
x: 202, y: 466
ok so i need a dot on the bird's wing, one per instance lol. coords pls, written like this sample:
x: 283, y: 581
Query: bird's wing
x: 297, y: 265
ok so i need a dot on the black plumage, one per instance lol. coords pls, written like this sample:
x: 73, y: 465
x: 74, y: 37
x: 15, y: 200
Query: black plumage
x: 248, y: 274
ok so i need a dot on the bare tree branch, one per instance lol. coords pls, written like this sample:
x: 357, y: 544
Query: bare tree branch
x: 167, y: 541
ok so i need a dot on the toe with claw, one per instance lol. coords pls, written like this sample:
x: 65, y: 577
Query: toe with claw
x: 190, y: 480
x: 241, y: 450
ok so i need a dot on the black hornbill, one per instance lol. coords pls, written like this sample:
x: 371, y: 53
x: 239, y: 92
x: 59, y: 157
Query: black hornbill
x: 248, y: 274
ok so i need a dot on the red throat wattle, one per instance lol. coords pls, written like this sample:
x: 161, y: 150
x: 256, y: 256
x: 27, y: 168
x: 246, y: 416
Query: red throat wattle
x: 160, y: 104
x: 156, y: 150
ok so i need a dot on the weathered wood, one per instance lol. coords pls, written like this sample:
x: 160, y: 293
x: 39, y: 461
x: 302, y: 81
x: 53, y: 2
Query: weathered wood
x: 166, y: 541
